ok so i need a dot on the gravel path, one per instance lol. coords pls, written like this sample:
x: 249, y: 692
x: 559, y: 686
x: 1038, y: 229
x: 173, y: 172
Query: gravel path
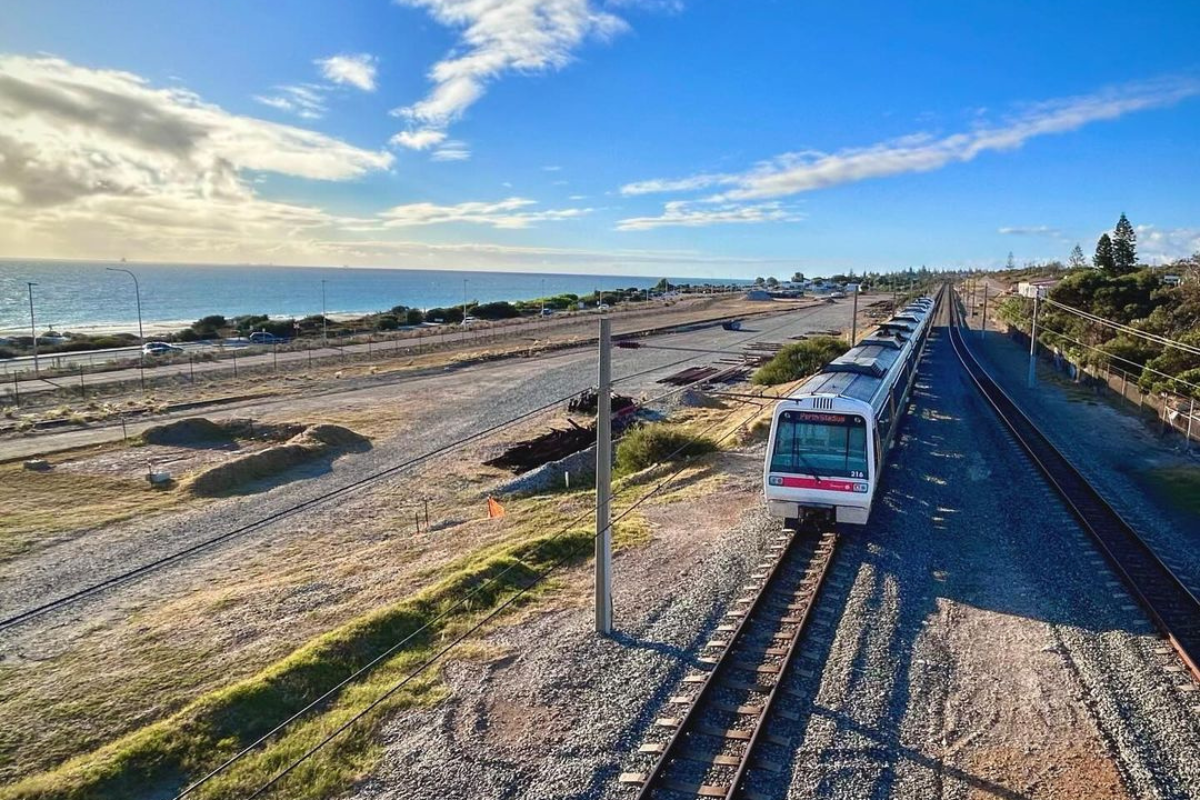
x: 969, y: 643
x: 474, y: 400
x: 1112, y: 448
x: 561, y: 713
x: 985, y: 648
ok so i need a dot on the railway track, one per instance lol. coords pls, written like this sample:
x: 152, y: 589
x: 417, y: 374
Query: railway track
x: 1168, y: 601
x: 711, y: 747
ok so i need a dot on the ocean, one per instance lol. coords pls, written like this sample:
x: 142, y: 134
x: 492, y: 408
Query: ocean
x: 84, y: 296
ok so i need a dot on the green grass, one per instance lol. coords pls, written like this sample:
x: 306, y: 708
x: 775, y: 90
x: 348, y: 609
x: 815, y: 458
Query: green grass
x: 162, y: 757
x: 1179, y: 486
x: 798, y: 360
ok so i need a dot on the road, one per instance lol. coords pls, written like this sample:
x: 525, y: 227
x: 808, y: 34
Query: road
x: 308, y: 351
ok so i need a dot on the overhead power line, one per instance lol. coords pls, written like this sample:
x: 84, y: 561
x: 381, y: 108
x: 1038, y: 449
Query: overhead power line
x: 557, y: 564
x: 1152, y: 337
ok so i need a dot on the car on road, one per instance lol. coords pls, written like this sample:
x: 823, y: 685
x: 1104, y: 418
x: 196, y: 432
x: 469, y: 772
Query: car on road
x: 160, y: 349
x: 546, y: 312
x: 468, y: 320
x: 604, y: 306
x: 263, y: 337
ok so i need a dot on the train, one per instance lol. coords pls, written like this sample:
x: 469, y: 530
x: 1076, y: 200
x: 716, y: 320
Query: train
x: 830, y: 436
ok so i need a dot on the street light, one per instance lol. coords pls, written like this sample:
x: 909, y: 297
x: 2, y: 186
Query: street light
x: 324, y: 319
x: 33, y: 326
x: 137, y: 291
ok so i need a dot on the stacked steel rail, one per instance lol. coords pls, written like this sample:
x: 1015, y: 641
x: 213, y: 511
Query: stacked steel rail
x: 727, y: 707
x: 1169, y: 602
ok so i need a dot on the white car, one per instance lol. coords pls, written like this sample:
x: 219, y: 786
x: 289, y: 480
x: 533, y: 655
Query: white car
x: 468, y: 320
x: 604, y: 306
x: 160, y: 349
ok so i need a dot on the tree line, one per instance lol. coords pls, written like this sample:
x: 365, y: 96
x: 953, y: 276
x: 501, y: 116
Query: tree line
x: 1116, y: 287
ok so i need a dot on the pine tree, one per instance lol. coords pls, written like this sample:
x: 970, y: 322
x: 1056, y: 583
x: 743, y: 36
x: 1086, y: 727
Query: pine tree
x: 1103, y: 260
x: 1124, y: 247
x: 1077, y: 261
x: 1011, y: 263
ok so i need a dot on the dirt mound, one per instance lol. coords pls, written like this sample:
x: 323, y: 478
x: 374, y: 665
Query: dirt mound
x: 196, y: 430
x: 318, y: 441
x: 333, y: 436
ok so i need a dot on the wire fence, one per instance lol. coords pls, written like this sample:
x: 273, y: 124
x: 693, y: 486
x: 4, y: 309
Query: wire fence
x: 1174, y: 412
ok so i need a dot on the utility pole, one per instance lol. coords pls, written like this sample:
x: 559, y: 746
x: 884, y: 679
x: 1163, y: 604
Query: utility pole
x: 604, y: 484
x: 1037, y: 293
x: 983, y: 322
x: 324, y: 319
x: 464, y: 319
x: 854, y: 319
x: 137, y: 293
x: 33, y: 328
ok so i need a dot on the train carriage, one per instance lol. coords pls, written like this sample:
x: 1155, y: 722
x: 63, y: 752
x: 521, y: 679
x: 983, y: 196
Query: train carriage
x: 829, y: 437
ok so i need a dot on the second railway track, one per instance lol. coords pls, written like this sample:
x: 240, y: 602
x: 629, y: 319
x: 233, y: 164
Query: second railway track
x: 1174, y: 609
x: 707, y: 743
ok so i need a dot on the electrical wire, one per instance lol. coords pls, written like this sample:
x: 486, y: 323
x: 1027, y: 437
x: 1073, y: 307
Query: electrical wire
x: 481, y: 623
x: 124, y: 577
x: 1152, y: 337
x: 1121, y: 358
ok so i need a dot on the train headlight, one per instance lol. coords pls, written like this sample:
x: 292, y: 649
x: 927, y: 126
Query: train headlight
x: 775, y: 480
x: 860, y: 487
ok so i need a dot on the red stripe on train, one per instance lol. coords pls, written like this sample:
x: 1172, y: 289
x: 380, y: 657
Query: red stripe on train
x: 826, y: 484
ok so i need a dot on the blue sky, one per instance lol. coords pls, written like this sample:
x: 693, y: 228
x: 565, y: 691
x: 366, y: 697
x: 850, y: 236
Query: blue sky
x: 721, y: 138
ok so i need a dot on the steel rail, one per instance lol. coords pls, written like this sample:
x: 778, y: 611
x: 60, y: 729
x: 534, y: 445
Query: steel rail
x: 730, y: 657
x: 1171, y: 605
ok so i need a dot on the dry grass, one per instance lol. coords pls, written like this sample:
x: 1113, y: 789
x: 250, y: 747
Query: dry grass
x: 42, y: 507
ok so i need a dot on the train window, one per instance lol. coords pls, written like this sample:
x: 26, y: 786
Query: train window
x: 827, y: 445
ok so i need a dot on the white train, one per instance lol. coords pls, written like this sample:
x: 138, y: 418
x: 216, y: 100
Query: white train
x: 830, y: 436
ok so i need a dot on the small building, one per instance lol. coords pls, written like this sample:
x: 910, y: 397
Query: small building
x: 1039, y: 287
x: 758, y: 294
x: 1172, y: 280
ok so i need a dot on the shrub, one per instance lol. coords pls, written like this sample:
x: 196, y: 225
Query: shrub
x: 444, y: 314
x: 387, y: 322
x: 414, y: 317
x: 6, y: 352
x: 500, y: 310
x: 653, y: 444
x: 795, y: 361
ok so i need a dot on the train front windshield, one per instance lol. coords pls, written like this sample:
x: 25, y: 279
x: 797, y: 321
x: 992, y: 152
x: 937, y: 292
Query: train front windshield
x: 825, y: 445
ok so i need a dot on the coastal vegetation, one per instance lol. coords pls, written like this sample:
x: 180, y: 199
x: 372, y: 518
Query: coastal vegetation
x: 1140, y: 301
x: 798, y: 360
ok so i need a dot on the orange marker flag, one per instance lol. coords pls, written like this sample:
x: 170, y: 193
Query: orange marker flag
x: 495, y: 510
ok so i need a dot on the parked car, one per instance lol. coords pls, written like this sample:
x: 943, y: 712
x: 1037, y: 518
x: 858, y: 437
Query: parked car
x: 468, y: 320
x: 160, y: 349
x: 604, y: 306
x: 263, y: 337
x: 546, y: 312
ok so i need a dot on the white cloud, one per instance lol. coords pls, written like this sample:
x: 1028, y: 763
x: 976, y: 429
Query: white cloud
x: 96, y: 156
x: 507, y: 214
x: 552, y: 168
x: 452, y: 150
x: 1030, y: 230
x: 793, y: 173
x: 418, y: 140
x: 1162, y: 245
x: 357, y: 70
x: 305, y: 101
x: 680, y: 213
x: 500, y: 37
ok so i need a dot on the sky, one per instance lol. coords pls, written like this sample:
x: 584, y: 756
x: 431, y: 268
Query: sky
x: 708, y: 138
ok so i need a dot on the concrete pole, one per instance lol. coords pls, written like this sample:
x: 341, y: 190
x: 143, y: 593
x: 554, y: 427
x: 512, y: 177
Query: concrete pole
x: 324, y: 319
x: 604, y: 484
x: 1191, y: 416
x: 1032, y: 381
x: 33, y: 328
x: 983, y: 322
x: 854, y: 320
